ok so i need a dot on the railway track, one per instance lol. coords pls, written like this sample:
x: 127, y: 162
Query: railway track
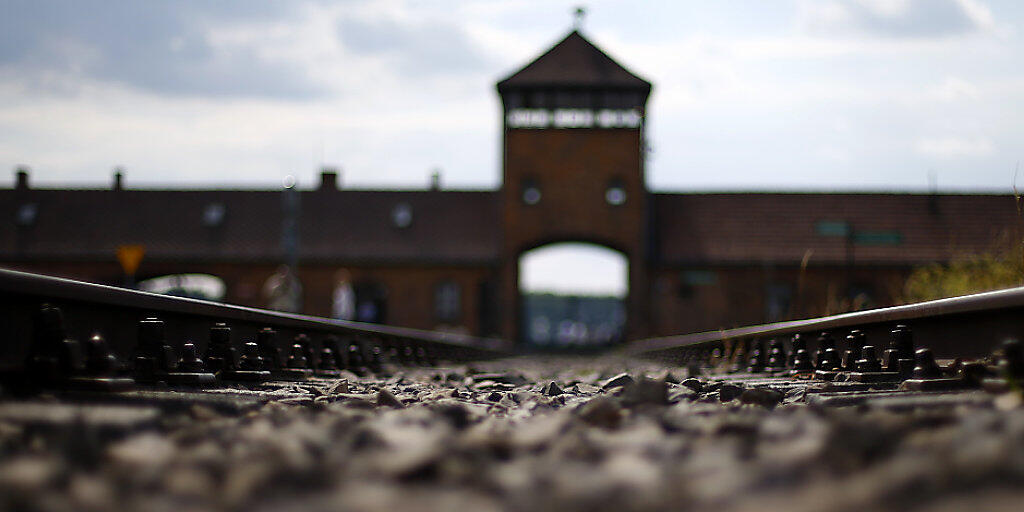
x: 66, y: 334
x: 61, y: 333
x: 954, y: 345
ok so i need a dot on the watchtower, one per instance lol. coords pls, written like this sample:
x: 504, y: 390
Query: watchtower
x: 573, y: 166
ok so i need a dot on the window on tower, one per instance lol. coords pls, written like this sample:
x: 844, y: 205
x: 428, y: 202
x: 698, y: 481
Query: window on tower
x: 615, y: 195
x: 531, y: 192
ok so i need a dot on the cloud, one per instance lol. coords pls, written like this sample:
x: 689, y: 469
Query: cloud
x: 897, y: 18
x: 953, y: 89
x: 416, y: 48
x: 954, y: 147
x: 170, y: 48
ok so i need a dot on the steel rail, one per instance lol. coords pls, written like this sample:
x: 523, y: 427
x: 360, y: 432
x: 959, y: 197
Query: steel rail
x: 965, y: 326
x: 115, y: 312
x: 12, y: 281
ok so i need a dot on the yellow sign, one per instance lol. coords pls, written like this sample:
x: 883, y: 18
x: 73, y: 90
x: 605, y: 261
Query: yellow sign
x: 130, y: 256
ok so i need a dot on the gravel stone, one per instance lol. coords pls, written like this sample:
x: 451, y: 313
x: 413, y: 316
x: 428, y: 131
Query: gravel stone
x: 620, y: 380
x: 29, y: 474
x: 602, y: 412
x: 454, y: 412
x: 552, y: 389
x: 645, y: 392
x: 679, y: 393
x: 386, y: 399
x: 341, y: 386
x: 693, y: 384
x: 763, y: 397
x: 729, y: 392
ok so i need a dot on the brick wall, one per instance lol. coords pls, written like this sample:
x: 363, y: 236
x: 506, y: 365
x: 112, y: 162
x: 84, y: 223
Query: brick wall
x: 573, y: 170
x: 707, y: 297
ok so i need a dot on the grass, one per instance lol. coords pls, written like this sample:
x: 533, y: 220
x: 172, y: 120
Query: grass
x: 972, y: 274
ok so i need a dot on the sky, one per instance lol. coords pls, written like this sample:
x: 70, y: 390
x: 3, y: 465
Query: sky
x: 575, y: 269
x: 748, y: 94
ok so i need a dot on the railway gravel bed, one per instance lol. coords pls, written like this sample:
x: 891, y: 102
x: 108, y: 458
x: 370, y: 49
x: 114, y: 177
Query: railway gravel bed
x: 522, y: 434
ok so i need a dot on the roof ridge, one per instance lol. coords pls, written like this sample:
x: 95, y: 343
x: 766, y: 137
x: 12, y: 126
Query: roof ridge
x: 574, y: 61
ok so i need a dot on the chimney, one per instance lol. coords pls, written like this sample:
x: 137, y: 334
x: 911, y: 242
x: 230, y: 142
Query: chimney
x: 118, y: 179
x: 21, y: 183
x: 435, y: 179
x: 329, y: 179
x: 933, y: 193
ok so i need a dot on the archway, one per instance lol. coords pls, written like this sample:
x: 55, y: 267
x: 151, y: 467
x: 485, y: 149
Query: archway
x: 572, y: 295
x: 196, y: 286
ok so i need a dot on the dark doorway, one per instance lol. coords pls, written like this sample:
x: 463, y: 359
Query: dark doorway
x: 371, y: 302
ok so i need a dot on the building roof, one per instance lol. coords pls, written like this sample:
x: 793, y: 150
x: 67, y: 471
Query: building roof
x: 784, y: 227
x: 345, y: 225
x: 574, y: 62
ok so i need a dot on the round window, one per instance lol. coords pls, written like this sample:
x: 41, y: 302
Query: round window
x: 615, y: 195
x: 402, y: 215
x: 531, y: 195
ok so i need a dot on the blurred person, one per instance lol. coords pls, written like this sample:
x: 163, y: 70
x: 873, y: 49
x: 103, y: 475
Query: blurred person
x: 540, y: 330
x: 283, y: 291
x: 343, y: 299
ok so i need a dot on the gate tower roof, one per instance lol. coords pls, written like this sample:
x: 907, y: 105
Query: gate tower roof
x: 574, y: 62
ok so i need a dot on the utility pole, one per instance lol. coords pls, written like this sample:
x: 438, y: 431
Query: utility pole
x: 290, y: 228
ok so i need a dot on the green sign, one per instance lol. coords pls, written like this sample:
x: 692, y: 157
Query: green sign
x: 878, y: 238
x: 832, y: 228
x: 699, y: 277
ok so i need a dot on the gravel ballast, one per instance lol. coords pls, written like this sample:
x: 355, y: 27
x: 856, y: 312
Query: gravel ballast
x: 525, y: 434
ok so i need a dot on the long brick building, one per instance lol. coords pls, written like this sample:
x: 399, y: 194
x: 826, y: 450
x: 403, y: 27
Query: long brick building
x: 573, y: 170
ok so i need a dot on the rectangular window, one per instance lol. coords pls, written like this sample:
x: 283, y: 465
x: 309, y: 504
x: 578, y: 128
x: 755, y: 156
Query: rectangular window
x: 776, y: 302
x: 448, y: 301
x: 690, y: 280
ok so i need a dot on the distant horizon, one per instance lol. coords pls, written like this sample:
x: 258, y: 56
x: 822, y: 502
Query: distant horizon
x: 270, y: 185
x: 573, y: 294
